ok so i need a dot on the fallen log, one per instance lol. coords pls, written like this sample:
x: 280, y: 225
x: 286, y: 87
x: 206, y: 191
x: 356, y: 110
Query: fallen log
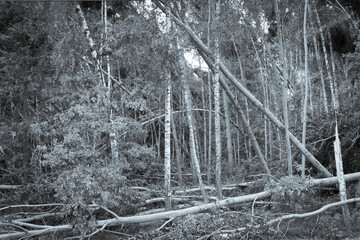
x: 176, y: 199
x: 172, y: 213
x: 224, y: 188
x: 8, y: 187
x: 142, y: 219
x: 309, y: 214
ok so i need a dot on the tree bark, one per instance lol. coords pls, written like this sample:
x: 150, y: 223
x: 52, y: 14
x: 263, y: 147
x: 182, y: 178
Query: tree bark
x: 209, y: 165
x: 243, y: 81
x: 113, y: 137
x: 167, y: 137
x: 188, y: 103
x: 285, y: 89
x: 340, y: 175
x: 264, y: 85
x: 332, y: 91
x: 306, y: 93
x: 228, y: 135
x: 177, y: 151
x: 217, y: 105
x: 319, y: 63
x: 336, y: 93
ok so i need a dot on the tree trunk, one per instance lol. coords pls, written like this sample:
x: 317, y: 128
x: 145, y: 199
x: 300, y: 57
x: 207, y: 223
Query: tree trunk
x: 340, y: 175
x: 332, y: 91
x: 195, y: 160
x: 238, y: 158
x: 167, y: 131
x: 243, y: 119
x: 204, y: 124
x: 188, y: 103
x: 306, y: 93
x: 243, y: 80
x: 264, y: 85
x: 217, y: 105
x: 167, y: 157
x: 336, y: 93
x: 113, y: 137
x: 285, y: 89
x: 228, y: 135
x: 319, y: 63
x: 209, y: 165
x: 177, y: 152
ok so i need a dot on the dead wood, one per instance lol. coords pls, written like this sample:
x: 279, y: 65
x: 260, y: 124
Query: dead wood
x: 309, y: 214
x: 168, y: 214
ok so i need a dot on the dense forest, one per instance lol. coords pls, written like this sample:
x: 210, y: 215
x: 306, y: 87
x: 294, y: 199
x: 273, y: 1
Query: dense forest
x: 155, y: 119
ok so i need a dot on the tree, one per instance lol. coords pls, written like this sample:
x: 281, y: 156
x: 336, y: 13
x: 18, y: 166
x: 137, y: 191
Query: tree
x: 190, y: 118
x: 217, y: 105
x: 167, y: 157
x: 306, y: 92
x: 285, y: 90
x: 228, y: 134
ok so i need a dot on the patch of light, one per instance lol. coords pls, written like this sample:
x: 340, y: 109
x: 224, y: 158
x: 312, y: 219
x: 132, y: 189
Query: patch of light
x: 161, y: 20
x: 144, y: 8
x: 264, y: 24
x: 195, y: 61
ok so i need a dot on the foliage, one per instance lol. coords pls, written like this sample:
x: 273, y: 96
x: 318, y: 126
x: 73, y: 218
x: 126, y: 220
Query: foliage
x: 292, y: 194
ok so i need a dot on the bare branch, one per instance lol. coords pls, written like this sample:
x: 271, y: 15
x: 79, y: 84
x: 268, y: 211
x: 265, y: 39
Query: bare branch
x: 308, y: 214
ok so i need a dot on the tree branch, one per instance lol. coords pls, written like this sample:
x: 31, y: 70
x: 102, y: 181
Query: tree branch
x: 308, y: 214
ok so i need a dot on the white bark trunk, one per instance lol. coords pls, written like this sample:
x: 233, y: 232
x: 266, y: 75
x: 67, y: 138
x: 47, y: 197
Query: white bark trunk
x: 306, y: 93
x: 167, y: 137
x: 217, y: 106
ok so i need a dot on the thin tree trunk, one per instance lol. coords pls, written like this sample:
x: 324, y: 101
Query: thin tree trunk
x: 217, y: 106
x: 195, y: 160
x: 158, y: 138
x: 326, y: 57
x: 167, y: 157
x: 285, y: 89
x: 188, y: 103
x: 209, y: 165
x: 268, y: 100
x: 204, y: 124
x: 177, y: 151
x: 197, y: 142
x: 340, y: 175
x: 228, y: 135
x: 306, y: 92
x: 167, y: 131
x: 336, y: 93
x: 319, y: 63
x: 238, y: 159
x: 263, y: 83
x: 243, y: 79
x: 243, y: 119
x: 113, y: 137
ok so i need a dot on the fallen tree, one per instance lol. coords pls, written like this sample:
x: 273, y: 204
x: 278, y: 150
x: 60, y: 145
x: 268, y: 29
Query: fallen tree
x: 309, y: 214
x: 117, y: 220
